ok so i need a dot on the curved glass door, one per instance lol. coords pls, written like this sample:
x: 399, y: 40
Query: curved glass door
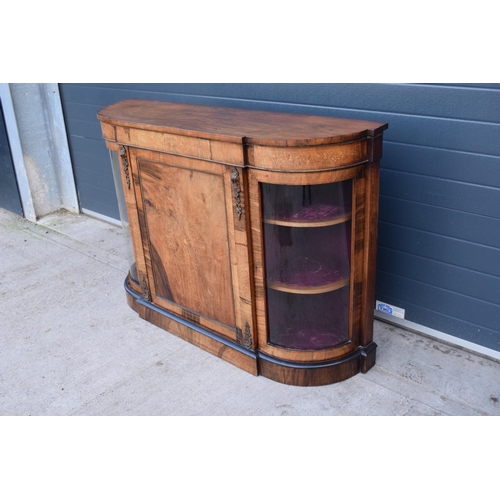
x: 307, y: 247
x: 122, y: 207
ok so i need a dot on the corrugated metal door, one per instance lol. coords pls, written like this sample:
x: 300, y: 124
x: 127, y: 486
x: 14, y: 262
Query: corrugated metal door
x: 439, y: 226
x: 9, y: 191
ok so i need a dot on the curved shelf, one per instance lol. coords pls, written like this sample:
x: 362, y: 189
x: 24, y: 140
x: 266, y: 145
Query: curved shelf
x: 331, y: 221
x: 308, y: 290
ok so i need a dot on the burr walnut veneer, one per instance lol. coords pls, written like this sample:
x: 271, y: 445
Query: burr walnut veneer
x: 253, y: 233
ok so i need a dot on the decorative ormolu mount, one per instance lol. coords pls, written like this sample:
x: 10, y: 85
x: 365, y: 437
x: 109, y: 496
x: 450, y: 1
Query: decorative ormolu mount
x: 123, y: 154
x: 146, y: 295
x: 247, y: 339
x: 235, y: 179
x: 244, y: 338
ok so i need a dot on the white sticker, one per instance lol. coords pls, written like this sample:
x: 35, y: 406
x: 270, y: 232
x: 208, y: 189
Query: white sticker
x: 391, y: 310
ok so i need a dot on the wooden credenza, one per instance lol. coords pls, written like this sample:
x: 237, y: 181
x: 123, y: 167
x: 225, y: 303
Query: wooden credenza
x: 253, y: 233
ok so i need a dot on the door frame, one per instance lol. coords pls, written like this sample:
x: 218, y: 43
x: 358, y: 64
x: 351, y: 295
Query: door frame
x: 17, y: 153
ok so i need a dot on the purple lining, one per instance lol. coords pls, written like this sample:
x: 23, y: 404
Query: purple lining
x: 314, y: 212
x: 308, y: 338
x: 307, y: 272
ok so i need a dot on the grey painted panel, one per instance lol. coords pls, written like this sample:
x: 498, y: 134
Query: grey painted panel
x: 430, y: 100
x: 79, y: 111
x: 103, y: 208
x: 85, y: 145
x: 475, y: 311
x: 442, y: 248
x: 471, y: 137
x: 441, y: 192
x: 460, y: 225
x: 100, y: 191
x: 439, y: 274
x: 101, y: 96
x: 437, y: 320
x: 82, y: 128
x: 9, y: 191
x: 93, y: 162
x: 439, y: 235
x: 453, y: 165
x: 470, y: 85
x: 100, y: 180
x: 409, y: 129
x: 99, y: 195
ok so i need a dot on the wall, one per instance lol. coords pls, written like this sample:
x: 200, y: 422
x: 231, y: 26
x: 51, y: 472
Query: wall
x: 10, y: 198
x: 40, y: 153
x: 439, y: 229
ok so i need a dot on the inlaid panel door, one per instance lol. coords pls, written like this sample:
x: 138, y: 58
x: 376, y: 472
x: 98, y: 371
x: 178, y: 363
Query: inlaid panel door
x: 195, y: 247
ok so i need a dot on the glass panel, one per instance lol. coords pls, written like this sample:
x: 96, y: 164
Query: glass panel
x: 307, y: 241
x: 308, y: 322
x: 116, y: 166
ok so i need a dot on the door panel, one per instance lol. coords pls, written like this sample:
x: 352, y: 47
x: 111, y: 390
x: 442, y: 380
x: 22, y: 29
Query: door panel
x: 188, y: 239
x: 193, y: 240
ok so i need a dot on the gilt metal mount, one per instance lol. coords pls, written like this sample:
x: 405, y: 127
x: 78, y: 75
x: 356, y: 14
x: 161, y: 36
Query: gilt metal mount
x: 123, y: 154
x: 235, y: 179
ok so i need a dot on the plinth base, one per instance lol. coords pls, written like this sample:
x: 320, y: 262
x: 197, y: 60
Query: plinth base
x: 255, y: 362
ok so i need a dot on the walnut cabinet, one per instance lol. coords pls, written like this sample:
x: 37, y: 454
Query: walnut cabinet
x: 252, y: 234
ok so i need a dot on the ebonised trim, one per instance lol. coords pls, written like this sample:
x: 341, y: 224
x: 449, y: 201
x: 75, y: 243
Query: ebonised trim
x: 233, y: 345
x: 360, y: 351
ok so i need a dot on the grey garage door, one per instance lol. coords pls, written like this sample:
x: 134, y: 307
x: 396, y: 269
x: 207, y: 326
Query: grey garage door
x: 439, y: 230
x: 9, y: 192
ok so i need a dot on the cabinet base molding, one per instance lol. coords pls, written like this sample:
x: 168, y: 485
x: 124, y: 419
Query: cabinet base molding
x: 205, y: 339
x: 254, y: 362
x: 314, y: 374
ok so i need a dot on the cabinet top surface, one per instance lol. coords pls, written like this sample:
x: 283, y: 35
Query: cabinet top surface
x: 237, y: 125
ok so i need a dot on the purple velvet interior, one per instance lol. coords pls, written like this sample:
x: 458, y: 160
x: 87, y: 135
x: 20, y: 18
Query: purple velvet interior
x: 307, y: 256
x: 308, y: 322
x: 308, y: 339
x: 313, y: 213
x: 307, y: 272
x: 306, y: 203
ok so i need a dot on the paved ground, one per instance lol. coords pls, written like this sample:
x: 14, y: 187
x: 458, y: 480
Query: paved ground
x: 70, y: 345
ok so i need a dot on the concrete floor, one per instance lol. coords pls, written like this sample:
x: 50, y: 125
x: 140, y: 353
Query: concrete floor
x: 70, y: 345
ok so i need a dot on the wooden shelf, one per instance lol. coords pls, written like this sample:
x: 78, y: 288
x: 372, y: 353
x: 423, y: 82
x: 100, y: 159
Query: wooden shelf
x: 308, y: 290
x: 331, y: 221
